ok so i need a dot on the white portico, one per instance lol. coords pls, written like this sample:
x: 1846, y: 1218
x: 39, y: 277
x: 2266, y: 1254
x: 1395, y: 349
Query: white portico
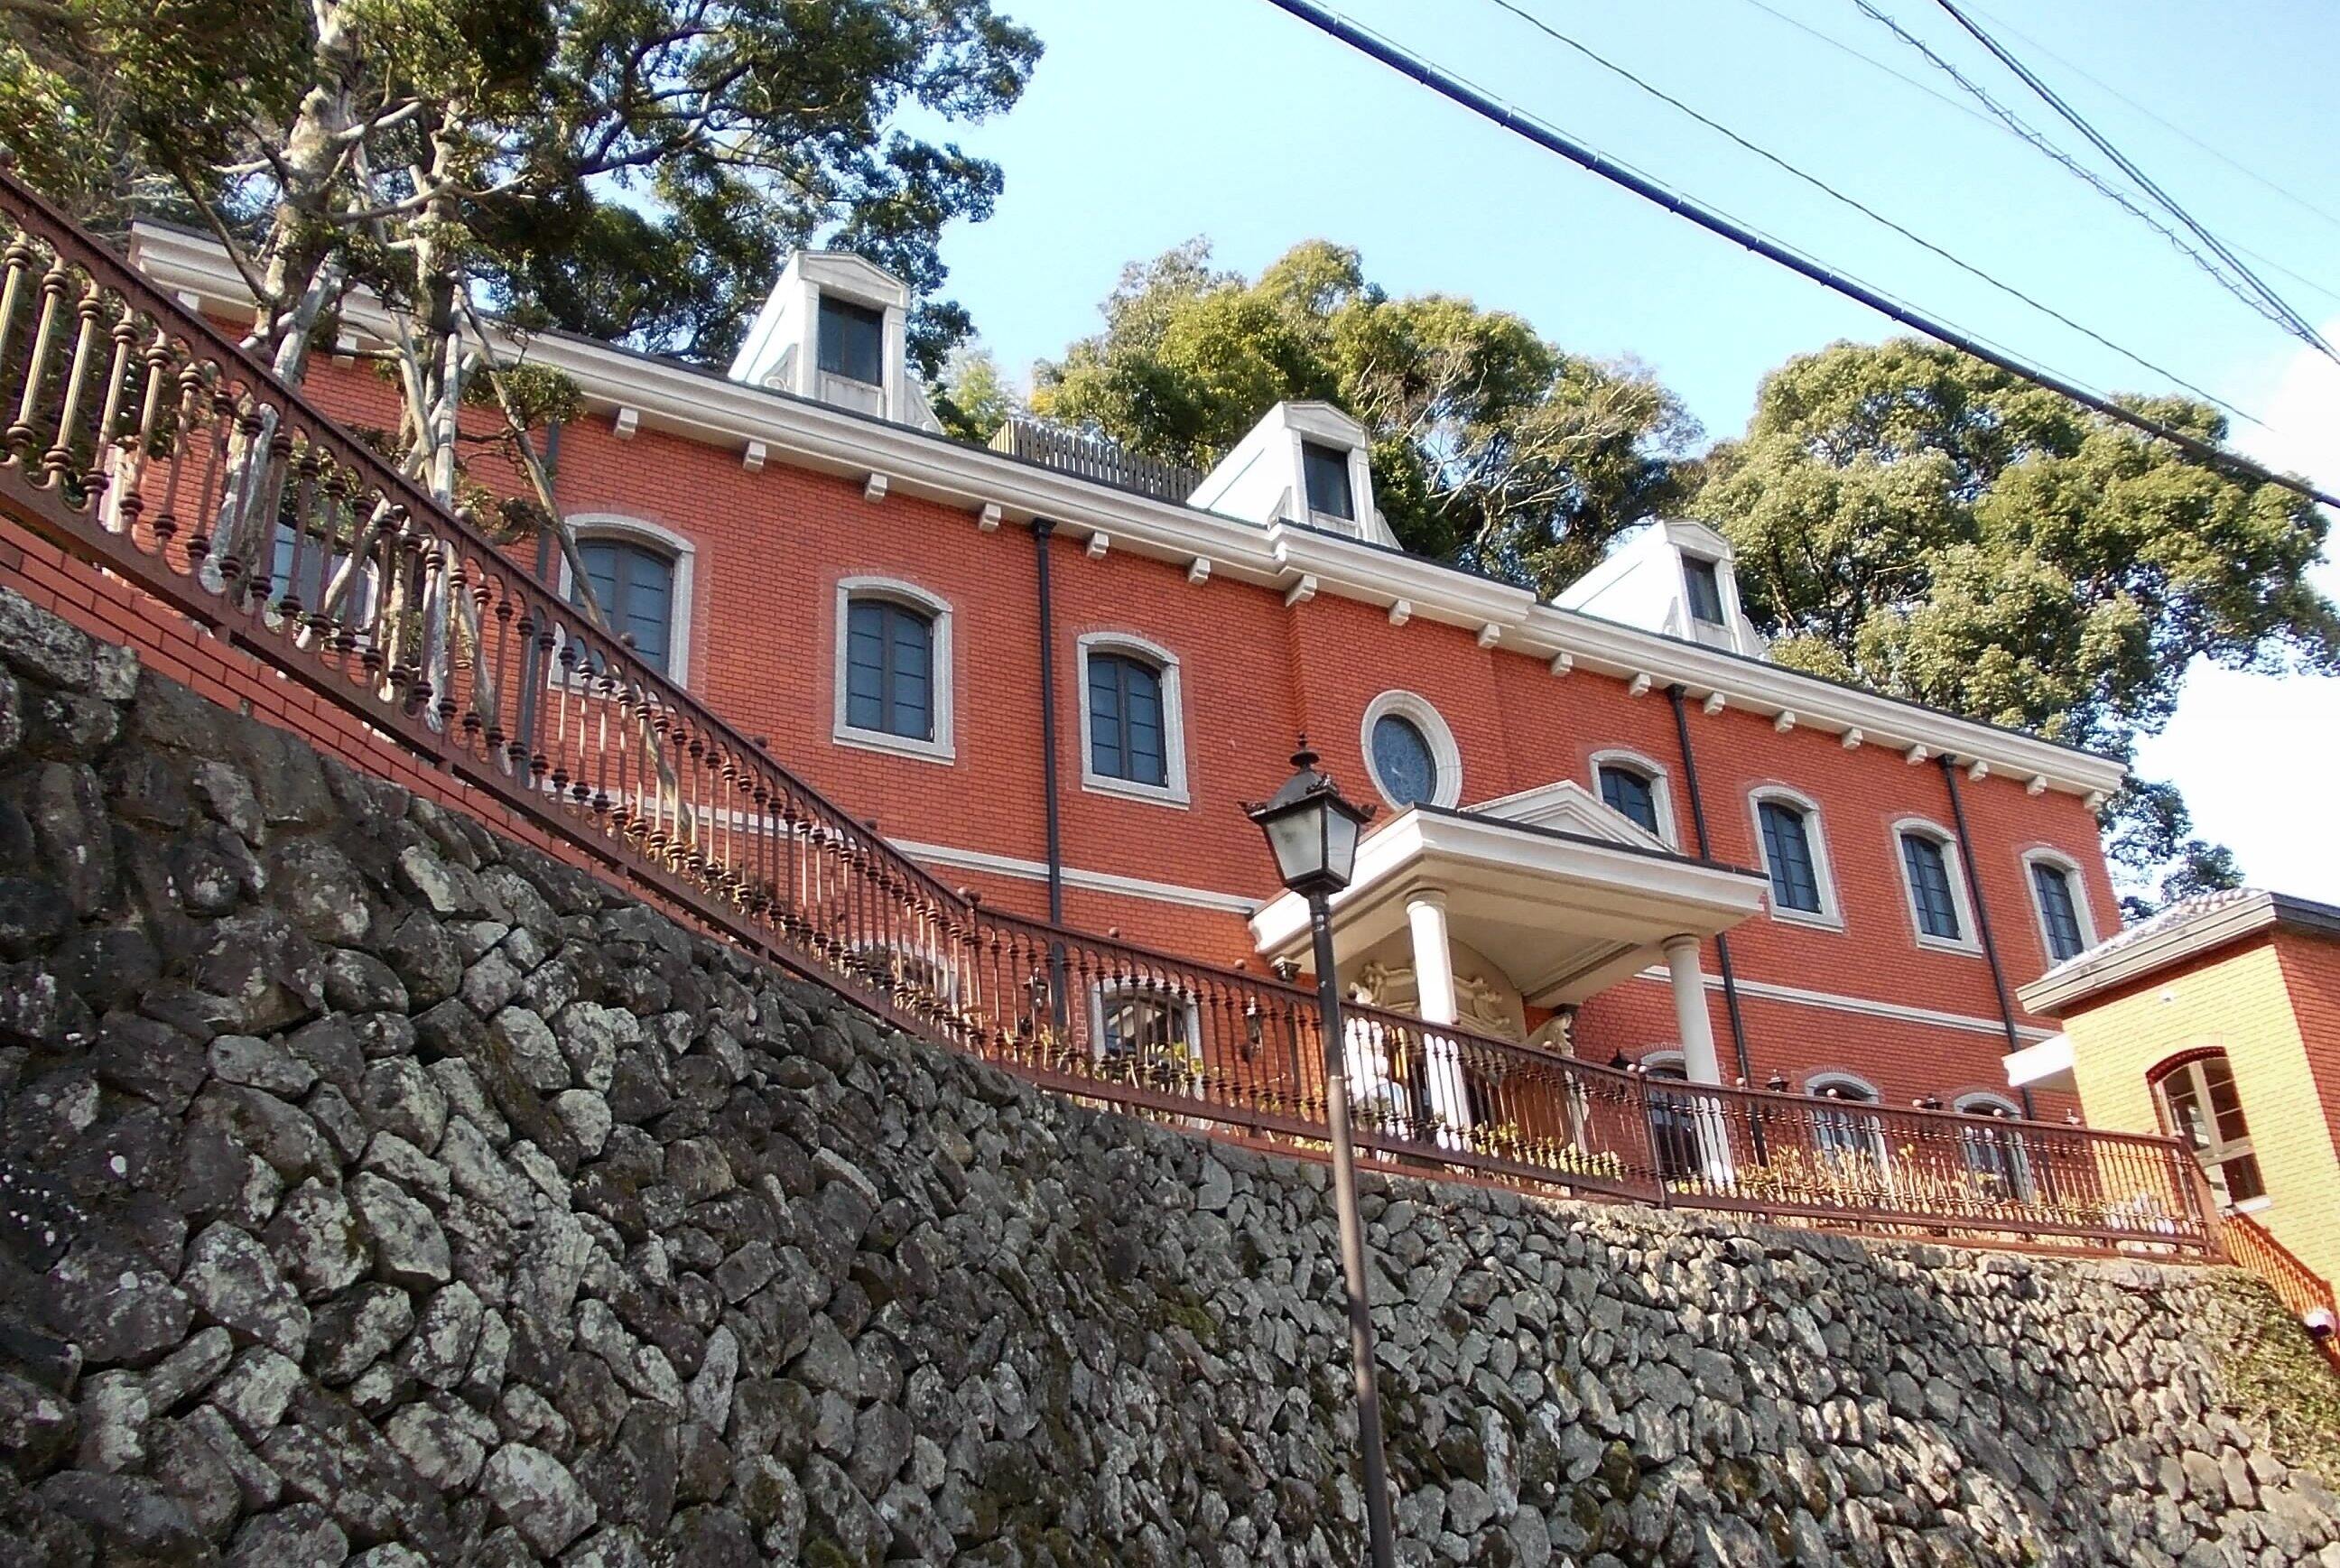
x: 1539, y: 900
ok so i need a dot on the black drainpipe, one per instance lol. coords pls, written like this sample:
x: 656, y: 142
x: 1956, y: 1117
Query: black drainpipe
x: 1706, y: 852
x: 1982, y: 916
x: 1041, y: 531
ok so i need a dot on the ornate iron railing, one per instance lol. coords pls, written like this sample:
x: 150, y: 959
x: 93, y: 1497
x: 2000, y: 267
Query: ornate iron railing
x: 2307, y: 1294
x: 144, y: 443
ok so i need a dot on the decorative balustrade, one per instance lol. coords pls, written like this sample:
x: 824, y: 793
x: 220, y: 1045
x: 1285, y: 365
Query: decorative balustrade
x: 144, y: 443
x: 1091, y: 457
x: 2307, y: 1294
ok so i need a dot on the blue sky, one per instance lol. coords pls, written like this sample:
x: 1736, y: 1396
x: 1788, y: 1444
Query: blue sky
x: 1152, y: 121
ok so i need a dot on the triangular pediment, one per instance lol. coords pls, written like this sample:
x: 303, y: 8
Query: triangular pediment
x: 1564, y: 806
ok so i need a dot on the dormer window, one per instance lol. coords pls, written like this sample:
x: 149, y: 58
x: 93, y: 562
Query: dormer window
x: 1327, y: 471
x: 1705, y: 583
x: 852, y: 341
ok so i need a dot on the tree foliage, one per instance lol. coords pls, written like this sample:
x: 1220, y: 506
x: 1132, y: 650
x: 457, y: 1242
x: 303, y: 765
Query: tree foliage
x: 1491, y: 446
x: 972, y: 398
x: 1910, y: 520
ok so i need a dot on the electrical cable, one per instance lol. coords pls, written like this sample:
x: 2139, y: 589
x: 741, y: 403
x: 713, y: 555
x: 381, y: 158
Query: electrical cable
x: 2170, y: 125
x: 2328, y: 291
x: 2300, y: 326
x: 1868, y: 211
x: 1448, y: 85
x: 2020, y: 127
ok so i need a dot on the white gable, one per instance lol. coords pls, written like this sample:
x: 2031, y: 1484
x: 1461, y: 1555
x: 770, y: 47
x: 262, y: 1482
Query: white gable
x: 1565, y: 806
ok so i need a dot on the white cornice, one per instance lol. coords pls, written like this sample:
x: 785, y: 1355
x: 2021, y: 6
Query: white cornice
x: 704, y: 406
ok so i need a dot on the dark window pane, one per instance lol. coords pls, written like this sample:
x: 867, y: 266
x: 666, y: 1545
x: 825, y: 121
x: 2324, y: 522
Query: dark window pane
x: 1402, y: 761
x: 852, y: 341
x: 2243, y: 1182
x: 889, y: 669
x: 635, y: 589
x: 1929, y: 886
x: 1630, y: 795
x: 2057, y: 911
x: 1326, y: 470
x: 1705, y: 590
x: 1128, y: 737
x: 2219, y: 1078
x: 1788, y: 847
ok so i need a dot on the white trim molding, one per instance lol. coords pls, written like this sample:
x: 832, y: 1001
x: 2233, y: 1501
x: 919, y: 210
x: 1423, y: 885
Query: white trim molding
x: 1864, y: 1007
x: 1829, y: 915
x: 1985, y: 1103
x: 2076, y: 881
x: 1968, y: 939
x: 623, y: 529
x: 1865, y: 1093
x: 1661, y: 792
x: 1445, y: 754
x: 941, y: 746
x: 1025, y: 870
x: 1171, y: 791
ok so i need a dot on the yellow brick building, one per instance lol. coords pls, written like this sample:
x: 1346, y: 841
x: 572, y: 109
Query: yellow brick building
x: 2217, y: 1020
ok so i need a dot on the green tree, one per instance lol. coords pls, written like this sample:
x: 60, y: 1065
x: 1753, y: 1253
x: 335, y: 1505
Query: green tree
x: 973, y: 399
x: 1491, y: 447
x: 1910, y: 520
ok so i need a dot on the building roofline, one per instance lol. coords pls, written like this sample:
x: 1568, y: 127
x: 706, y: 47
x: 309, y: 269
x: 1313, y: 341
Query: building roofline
x: 703, y: 403
x: 2183, y: 932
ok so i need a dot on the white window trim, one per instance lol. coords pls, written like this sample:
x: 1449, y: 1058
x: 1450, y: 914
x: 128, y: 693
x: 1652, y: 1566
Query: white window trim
x: 1661, y: 791
x: 1361, y: 481
x: 620, y: 529
x: 1829, y: 915
x: 942, y: 745
x: 1445, y: 754
x: 1968, y: 941
x: 1818, y: 1084
x: 2079, y: 884
x: 1171, y: 791
x: 1668, y: 1056
x: 1985, y: 1103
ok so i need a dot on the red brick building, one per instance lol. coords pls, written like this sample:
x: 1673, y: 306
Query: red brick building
x: 1057, y: 675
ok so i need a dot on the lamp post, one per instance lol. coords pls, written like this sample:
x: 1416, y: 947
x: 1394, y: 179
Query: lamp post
x: 1312, y: 831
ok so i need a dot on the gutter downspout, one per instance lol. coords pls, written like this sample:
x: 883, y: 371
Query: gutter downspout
x: 1042, y: 529
x: 1982, y: 920
x: 1706, y: 852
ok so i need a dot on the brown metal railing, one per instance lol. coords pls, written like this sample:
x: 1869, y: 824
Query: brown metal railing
x: 2305, y: 1291
x: 144, y: 443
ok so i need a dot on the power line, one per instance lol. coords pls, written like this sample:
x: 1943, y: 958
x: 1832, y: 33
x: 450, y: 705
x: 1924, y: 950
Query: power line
x: 1866, y: 211
x: 2170, y: 125
x: 1448, y: 85
x: 2299, y: 326
x: 2020, y: 127
x: 2327, y: 290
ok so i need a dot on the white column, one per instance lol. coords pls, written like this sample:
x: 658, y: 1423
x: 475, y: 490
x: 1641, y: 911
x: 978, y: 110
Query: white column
x: 1692, y: 1019
x: 1699, y: 1063
x: 1433, y: 978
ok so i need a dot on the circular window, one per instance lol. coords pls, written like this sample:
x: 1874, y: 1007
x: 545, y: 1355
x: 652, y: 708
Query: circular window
x: 1403, y: 761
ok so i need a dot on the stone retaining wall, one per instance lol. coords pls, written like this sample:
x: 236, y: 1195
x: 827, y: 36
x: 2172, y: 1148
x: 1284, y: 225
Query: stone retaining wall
x: 374, y: 1190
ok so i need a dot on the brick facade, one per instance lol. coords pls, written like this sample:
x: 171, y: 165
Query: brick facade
x: 769, y: 547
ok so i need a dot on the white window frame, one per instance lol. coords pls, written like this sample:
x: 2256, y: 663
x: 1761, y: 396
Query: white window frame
x: 1871, y: 1101
x: 1445, y: 754
x: 1661, y: 792
x: 1968, y: 939
x: 1829, y: 915
x: 619, y: 529
x: 942, y: 746
x: 1171, y: 791
x: 1998, y: 1108
x: 2057, y: 859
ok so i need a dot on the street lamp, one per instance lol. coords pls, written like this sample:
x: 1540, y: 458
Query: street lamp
x: 1312, y: 830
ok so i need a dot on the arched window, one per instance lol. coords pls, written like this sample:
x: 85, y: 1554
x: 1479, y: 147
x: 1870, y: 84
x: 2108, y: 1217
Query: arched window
x: 1795, y: 857
x: 1935, y: 884
x: 1148, y: 1032
x: 1994, y: 1154
x: 641, y: 576
x: 1847, y: 1137
x: 634, y: 586
x: 893, y: 668
x: 889, y: 669
x: 1410, y: 751
x: 1633, y: 787
x: 1630, y: 793
x: 2198, y: 1103
x: 1127, y: 737
x: 2061, y: 899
